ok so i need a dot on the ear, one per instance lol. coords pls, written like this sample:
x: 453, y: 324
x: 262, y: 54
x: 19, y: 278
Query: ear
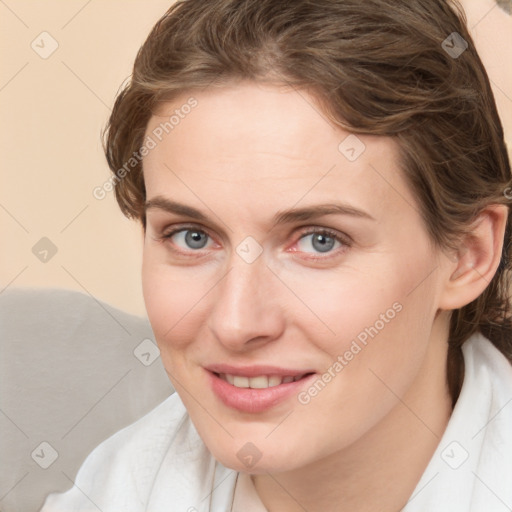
x: 477, y: 259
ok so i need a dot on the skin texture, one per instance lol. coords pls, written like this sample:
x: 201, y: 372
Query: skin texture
x: 245, y: 153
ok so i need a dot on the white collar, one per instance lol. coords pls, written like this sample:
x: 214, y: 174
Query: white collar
x: 471, y: 469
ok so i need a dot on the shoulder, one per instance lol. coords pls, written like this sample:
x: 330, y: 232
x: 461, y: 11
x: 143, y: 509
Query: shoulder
x: 123, y: 468
x: 483, y: 359
x: 141, y: 445
x: 489, y: 376
x: 471, y: 468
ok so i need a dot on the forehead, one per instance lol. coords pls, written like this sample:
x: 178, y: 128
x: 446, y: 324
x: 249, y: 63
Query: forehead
x: 258, y: 144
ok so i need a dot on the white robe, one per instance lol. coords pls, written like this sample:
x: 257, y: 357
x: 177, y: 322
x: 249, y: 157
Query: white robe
x: 160, y: 464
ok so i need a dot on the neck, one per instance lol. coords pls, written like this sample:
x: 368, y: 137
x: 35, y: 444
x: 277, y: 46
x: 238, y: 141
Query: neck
x: 381, y: 470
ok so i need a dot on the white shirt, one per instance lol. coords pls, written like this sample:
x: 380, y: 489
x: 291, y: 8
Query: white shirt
x: 160, y: 464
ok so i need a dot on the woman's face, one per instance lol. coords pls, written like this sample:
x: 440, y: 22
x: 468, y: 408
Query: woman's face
x: 280, y: 248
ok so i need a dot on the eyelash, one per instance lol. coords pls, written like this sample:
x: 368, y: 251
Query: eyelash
x: 344, y: 240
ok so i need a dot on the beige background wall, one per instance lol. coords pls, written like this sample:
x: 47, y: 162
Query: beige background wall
x: 53, y: 110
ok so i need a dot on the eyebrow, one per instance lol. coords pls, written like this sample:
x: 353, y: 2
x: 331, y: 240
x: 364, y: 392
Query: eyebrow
x: 162, y: 203
x: 283, y: 217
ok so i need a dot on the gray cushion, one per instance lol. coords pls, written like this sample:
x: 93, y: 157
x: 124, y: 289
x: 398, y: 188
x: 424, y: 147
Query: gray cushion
x: 73, y: 370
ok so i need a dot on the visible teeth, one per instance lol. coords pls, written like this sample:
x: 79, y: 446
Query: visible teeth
x: 240, y: 382
x: 259, y: 382
x: 274, y: 380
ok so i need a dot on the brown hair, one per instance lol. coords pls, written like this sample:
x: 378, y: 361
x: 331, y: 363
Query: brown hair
x: 381, y: 67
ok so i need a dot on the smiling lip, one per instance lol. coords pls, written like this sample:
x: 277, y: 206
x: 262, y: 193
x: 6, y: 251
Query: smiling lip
x: 255, y: 400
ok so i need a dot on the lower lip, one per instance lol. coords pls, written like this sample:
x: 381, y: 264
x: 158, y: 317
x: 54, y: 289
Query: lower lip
x: 255, y: 400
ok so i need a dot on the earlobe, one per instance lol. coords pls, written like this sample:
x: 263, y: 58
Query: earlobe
x: 477, y: 259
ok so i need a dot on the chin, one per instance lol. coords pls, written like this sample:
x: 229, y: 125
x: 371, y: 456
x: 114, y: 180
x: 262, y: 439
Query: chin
x: 254, y: 458
x: 261, y: 467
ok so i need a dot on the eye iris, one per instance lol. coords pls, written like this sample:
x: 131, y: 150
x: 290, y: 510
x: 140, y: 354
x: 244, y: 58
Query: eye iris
x: 196, y: 239
x: 322, y: 243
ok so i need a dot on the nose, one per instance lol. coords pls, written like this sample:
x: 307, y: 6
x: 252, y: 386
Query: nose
x: 246, y: 311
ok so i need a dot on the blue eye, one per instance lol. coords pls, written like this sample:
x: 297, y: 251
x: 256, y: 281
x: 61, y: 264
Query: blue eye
x: 320, y: 242
x: 192, y: 239
x: 189, y: 238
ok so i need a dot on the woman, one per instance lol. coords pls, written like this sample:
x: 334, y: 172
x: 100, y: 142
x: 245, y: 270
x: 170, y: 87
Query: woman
x: 322, y: 191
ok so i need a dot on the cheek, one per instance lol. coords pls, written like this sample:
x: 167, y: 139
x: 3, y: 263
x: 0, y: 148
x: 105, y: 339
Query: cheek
x: 172, y: 298
x: 335, y: 308
x: 371, y: 364
x: 382, y: 338
x: 368, y: 322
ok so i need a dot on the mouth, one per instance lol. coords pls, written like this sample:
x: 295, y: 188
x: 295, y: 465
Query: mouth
x: 256, y: 389
x: 260, y: 381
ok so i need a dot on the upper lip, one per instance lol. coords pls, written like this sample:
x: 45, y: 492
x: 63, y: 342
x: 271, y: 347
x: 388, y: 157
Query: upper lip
x: 256, y: 370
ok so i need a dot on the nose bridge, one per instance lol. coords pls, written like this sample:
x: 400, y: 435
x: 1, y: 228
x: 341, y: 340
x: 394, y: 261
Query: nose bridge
x: 244, y: 306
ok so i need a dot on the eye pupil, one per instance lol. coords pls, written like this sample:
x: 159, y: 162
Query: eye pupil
x: 323, y: 243
x: 196, y: 239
